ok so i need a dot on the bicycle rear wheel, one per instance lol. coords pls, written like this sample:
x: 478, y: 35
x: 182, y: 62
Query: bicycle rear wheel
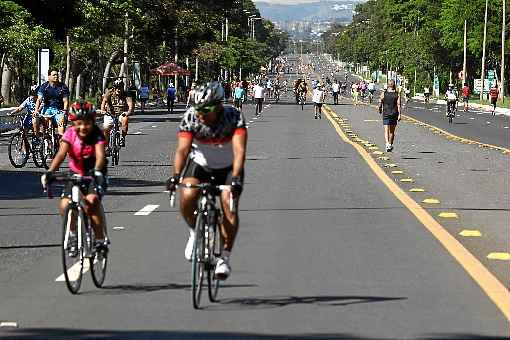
x: 72, y: 262
x: 197, y: 263
x: 18, y: 150
x: 98, y: 262
x: 37, y: 155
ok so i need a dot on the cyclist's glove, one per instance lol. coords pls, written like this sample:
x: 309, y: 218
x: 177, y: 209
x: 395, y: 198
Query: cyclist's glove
x: 99, y: 178
x: 172, y: 182
x: 237, y: 186
x: 46, y: 178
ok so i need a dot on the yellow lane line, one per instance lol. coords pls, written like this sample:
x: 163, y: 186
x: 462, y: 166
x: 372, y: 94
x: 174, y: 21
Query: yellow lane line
x: 494, y: 289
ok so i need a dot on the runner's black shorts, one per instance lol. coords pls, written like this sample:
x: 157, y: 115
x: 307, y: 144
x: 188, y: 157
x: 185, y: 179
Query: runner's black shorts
x: 213, y: 176
x: 465, y: 99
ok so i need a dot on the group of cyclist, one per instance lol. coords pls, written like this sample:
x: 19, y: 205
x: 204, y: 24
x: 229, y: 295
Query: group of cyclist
x: 211, y: 147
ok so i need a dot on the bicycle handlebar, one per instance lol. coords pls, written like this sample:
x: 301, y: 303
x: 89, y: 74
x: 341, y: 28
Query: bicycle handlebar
x: 232, y: 204
x: 65, y: 178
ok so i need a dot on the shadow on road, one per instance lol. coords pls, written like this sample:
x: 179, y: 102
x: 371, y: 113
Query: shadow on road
x: 63, y: 333
x: 149, y: 287
x: 20, y: 185
x: 268, y: 302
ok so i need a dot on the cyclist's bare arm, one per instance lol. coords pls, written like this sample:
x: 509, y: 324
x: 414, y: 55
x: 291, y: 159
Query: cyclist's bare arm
x: 66, y: 103
x: 59, y: 158
x: 239, y: 149
x: 181, y: 153
x: 38, y: 105
x: 100, y: 156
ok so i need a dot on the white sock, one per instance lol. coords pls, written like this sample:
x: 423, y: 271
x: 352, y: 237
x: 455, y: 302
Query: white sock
x: 225, y: 254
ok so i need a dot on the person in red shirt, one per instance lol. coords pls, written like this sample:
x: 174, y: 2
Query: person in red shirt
x: 465, y: 96
x: 494, y: 93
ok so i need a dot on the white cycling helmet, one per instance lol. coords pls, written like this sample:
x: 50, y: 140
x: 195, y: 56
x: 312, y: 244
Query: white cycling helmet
x: 209, y: 94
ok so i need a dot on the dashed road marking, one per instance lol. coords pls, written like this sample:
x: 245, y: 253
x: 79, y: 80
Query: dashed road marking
x: 8, y: 324
x: 431, y: 201
x: 417, y: 190
x: 390, y: 165
x: 147, y: 210
x: 499, y: 256
x: 448, y: 215
x: 74, y: 271
x: 470, y: 233
x: 397, y: 172
x: 118, y: 228
x: 407, y: 180
x: 383, y: 158
x: 377, y: 152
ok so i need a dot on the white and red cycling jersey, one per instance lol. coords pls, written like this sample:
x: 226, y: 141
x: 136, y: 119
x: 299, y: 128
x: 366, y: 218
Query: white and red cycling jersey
x: 212, y: 145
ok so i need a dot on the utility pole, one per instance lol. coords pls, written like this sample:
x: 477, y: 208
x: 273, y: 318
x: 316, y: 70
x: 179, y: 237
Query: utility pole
x: 126, y: 36
x: 68, y: 66
x: 503, y: 29
x: 464, y: 67
x: 175, y: 60
x: 226, y: 29
x: 483, y: 51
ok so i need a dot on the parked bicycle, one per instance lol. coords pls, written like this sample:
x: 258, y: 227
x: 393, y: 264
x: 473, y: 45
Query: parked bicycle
x: 24, y: 143
x: 208, y: 241
x: 83, y: 255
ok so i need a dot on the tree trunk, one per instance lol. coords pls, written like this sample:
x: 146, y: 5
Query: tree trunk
x: 2, y: 63
x: 108, y: 67
x: 6, y: 83
x: 71, y: 86
x: 79, y: 83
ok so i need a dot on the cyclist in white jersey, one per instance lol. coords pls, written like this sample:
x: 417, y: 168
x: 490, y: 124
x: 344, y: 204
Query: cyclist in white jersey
x: 214, y: 138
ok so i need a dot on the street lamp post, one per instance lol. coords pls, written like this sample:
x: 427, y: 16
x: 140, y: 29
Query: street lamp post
x: 483, y: 50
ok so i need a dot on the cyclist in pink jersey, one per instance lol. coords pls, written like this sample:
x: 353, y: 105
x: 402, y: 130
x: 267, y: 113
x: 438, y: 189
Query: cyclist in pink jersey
x: 84, y: 143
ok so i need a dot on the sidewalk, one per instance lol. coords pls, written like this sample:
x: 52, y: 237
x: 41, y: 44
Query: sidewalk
x: 488, y: 108
x: 467, y: 180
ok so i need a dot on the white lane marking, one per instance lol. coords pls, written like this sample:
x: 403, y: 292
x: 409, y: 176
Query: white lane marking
x: 488, y: 122
x: 154, y: 126
x: 74, y: 271
x: 147, y: 210
x: 138, y: 133
x: 118, y: 228
x: 472, y: 118
x: 8, y: 324
x: 506, y: 127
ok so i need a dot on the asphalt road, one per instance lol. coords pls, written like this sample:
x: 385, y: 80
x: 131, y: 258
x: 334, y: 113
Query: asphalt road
x: 324, y: 251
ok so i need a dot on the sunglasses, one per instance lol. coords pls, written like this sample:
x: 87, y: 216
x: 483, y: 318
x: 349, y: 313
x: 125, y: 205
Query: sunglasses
x: 54, y: 75
x: 206, y: 109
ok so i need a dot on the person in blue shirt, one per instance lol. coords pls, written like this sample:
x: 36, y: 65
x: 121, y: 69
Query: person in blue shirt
x: 143, y: 94
x: 29, y: 106
x: 170, y: 98
x: 53, y: 101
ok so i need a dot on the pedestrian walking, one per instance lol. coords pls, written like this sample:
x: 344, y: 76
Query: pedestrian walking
x: 389, y: 107
x: 494, y: 93
x: 170, y: 98
x: 191, y: 95
x: 465, y: 96
x: 143, y: 94
x: 336, y: 90
x: 355, y: 89
x: 318, y: 99
x: 258, y: 94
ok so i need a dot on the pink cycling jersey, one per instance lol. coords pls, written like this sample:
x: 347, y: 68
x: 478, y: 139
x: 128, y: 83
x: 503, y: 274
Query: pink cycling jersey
x: 82, y: 154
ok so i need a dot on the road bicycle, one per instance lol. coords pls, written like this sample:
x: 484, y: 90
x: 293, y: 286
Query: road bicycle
x: 115, y: 136
x: 451, y: 109
x: 370, y: 96
x: 85, y: 255
x: 302, y: 99
x: 208, y: 241
x: 50, y: 143
x: 22, y: 144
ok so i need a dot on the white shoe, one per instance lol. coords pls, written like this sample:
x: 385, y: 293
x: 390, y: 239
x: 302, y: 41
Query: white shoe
x: 388, y: 147
x: 222, y: 271
x: 188, y: 252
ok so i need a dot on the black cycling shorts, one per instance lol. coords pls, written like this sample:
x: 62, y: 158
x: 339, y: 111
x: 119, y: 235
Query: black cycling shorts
x: 213, y: 176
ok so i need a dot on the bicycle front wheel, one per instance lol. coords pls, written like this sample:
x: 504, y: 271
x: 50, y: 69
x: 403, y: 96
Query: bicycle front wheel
x: 47, y: 149
x: 98, y: 264
x: 215, y: 247
x: 18, y: 150
x: 197, y: 263
x: 72, y: 253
